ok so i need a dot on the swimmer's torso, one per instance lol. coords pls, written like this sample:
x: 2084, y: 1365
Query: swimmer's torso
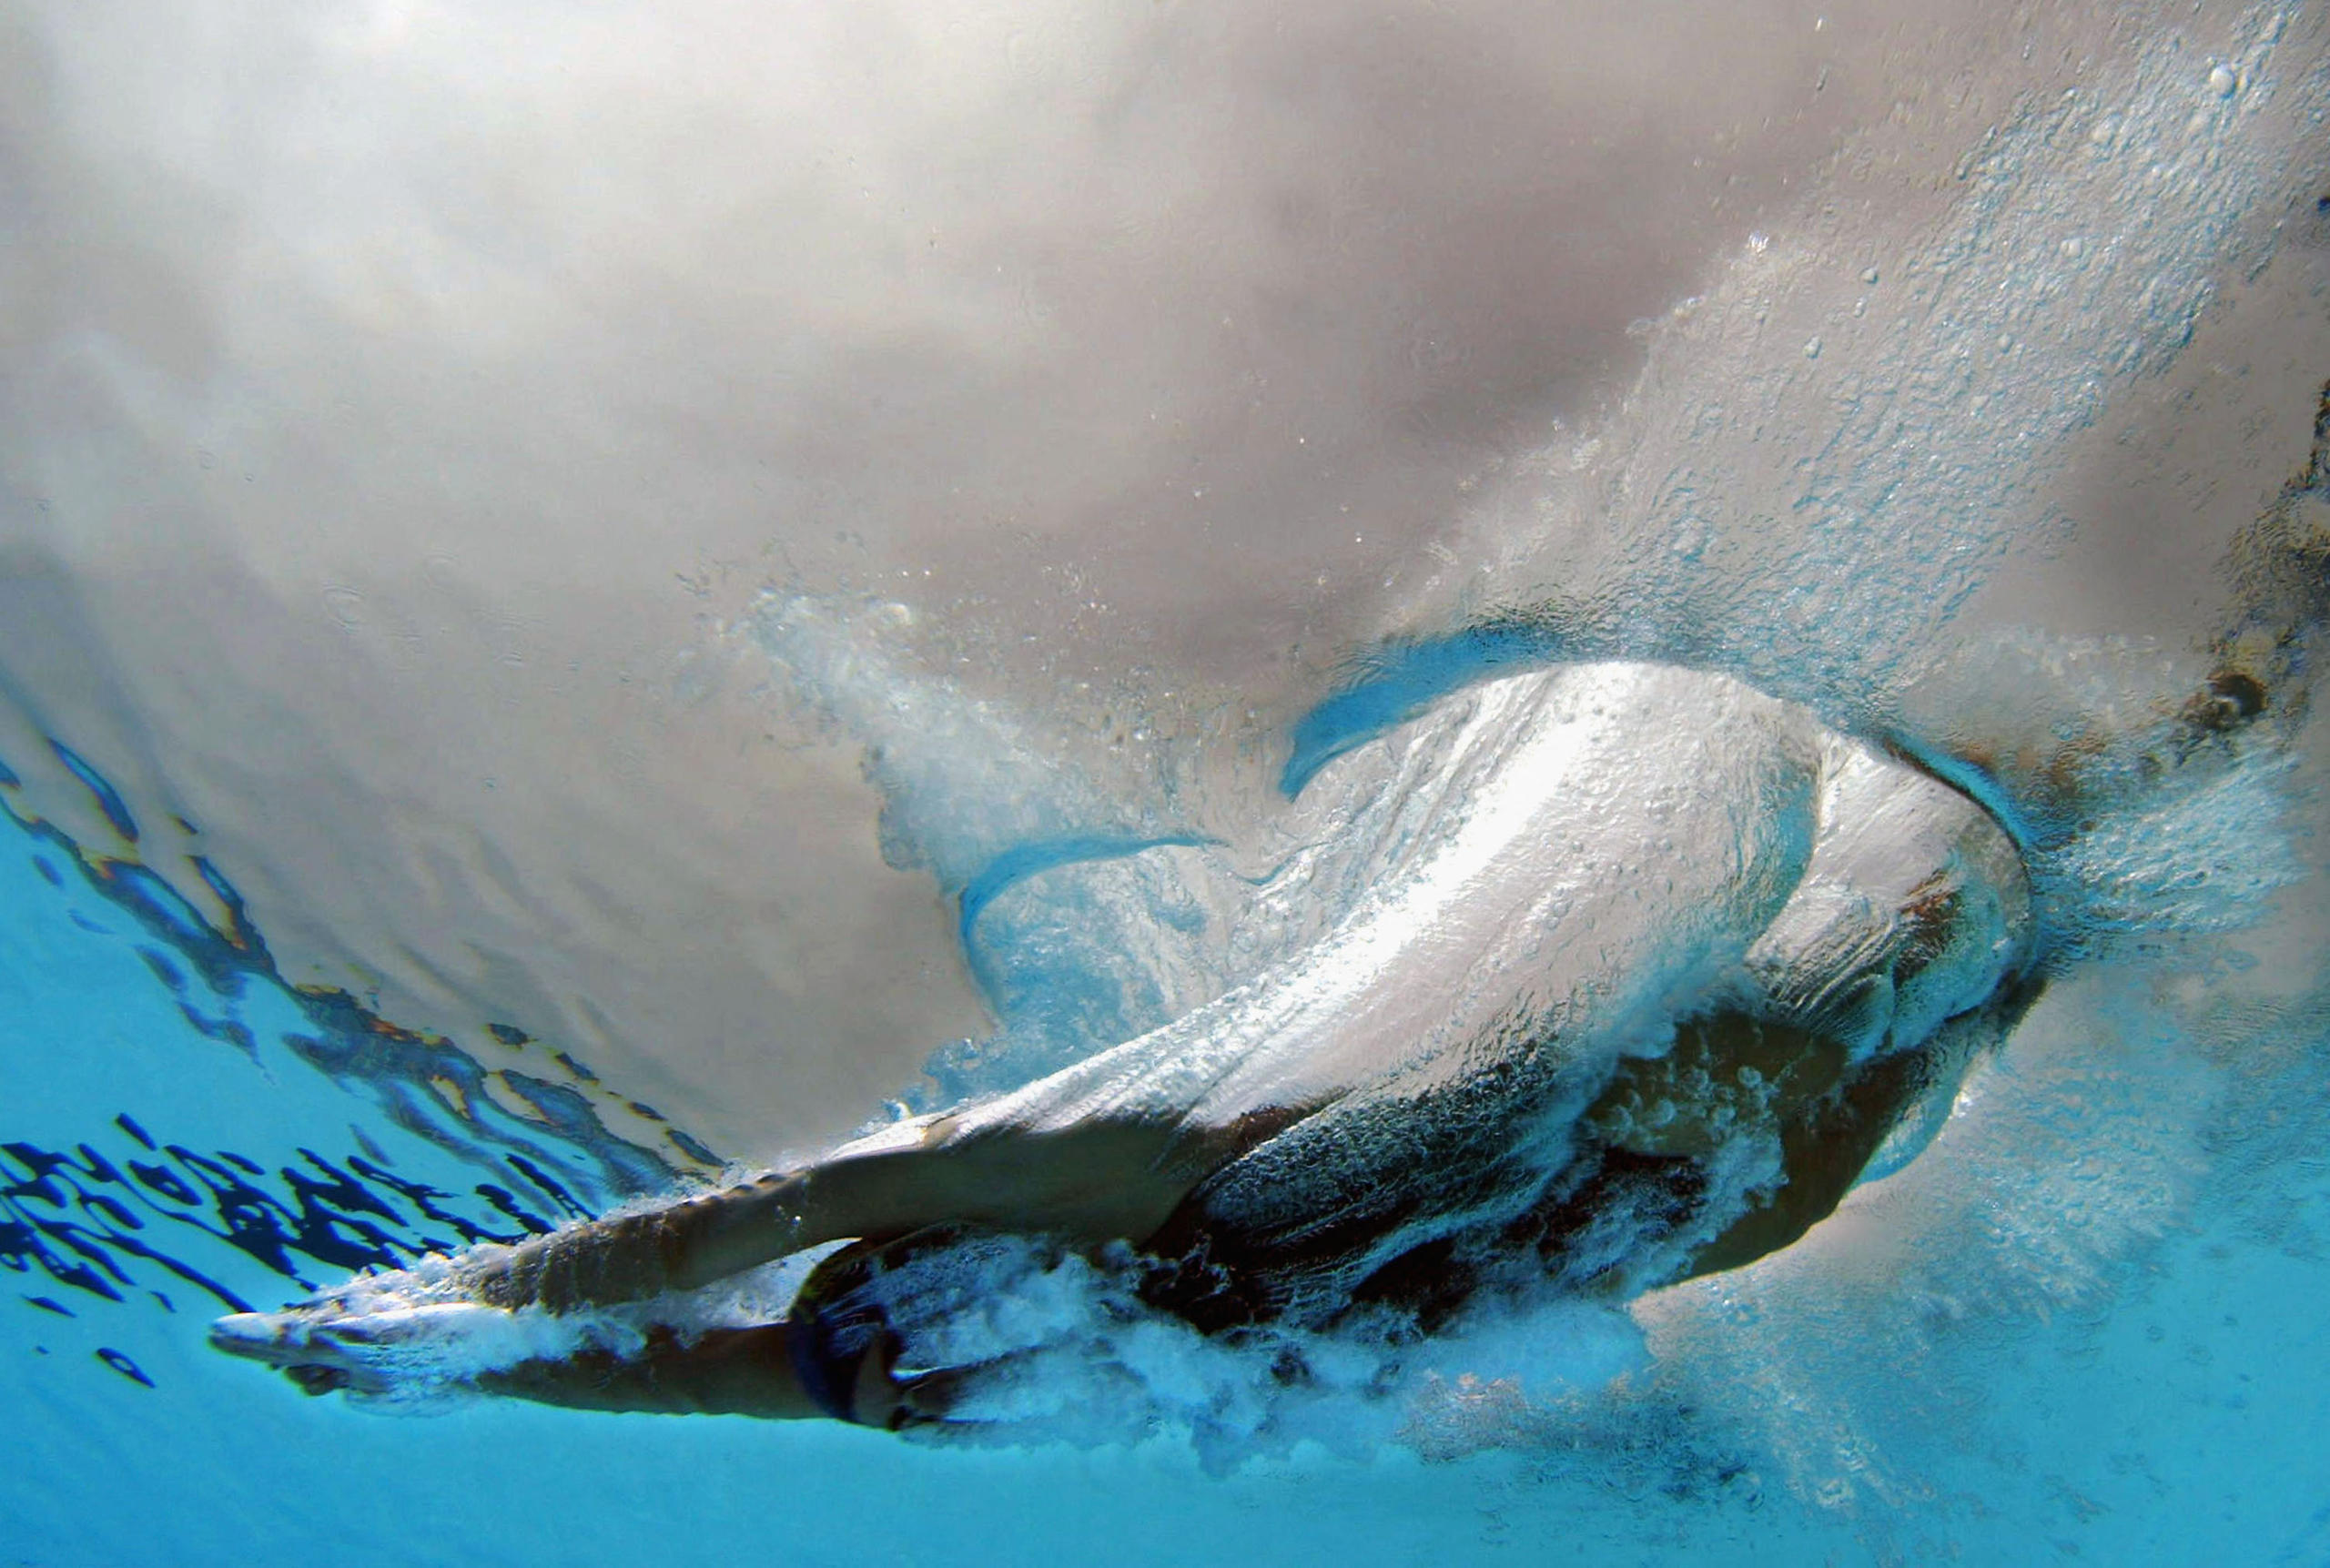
x: 1664, y: 934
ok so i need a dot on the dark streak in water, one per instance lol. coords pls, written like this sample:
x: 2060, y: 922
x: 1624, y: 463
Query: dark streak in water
x: 124, y: 1365
x: 229, y: 1031
x: 167, y: 973
x: 689, y: 1147
x: 502, y: 1199
x: 78, y: 1217
x: 541, y: 1179
x: 108, y: 802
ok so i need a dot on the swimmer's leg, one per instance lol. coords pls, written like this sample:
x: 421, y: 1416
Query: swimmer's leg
x: 2263, y: 663
x: 2279, y: 567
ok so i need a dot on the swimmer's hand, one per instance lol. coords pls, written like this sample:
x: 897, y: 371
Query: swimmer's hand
x: 380, y: 1334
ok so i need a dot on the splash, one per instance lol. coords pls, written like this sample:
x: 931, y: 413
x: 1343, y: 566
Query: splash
x: 1807, y: 490
x: 1831, y: 453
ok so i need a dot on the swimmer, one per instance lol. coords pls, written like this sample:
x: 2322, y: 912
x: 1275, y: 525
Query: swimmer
x: 1645, y: 1005
x: 1674, y: 964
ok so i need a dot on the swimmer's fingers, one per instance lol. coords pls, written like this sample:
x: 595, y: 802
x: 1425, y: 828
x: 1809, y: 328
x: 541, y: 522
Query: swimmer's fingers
x: 929, y: 1398
x: 940, y: 1396
x: 875, y: 1395
x: 880, y: 1395
x: 319, y: 1357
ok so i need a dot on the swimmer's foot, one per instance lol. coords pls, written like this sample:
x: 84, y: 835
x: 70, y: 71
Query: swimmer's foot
x: 2232, y: 698
x: 880, y: 1392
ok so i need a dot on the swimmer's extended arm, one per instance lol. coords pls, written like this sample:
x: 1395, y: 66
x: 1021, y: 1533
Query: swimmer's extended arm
x: 748, y: 1371
x: 724, y: 1372
x: 679, y: 1247
x: 1101, y: 1181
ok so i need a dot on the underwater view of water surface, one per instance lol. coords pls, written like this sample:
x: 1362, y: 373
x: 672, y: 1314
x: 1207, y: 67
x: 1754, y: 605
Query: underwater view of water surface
x: 1529, y: 782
